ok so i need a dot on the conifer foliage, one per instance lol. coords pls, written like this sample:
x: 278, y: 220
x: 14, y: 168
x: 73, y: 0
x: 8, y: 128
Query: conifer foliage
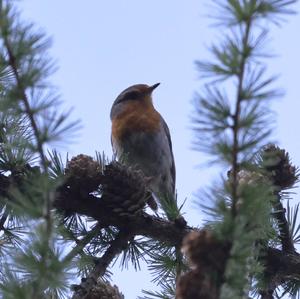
x: 60, y: 221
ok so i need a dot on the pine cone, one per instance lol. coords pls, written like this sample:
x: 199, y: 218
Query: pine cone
x: 104, y: 290
x: 247, y: 177
x: 205, y: 252
x: 277, y: 163
x: 248, y: 180
x: 194, y: 285
x: 207, y: 257
x: 123, y: 189
x: 83, y: 173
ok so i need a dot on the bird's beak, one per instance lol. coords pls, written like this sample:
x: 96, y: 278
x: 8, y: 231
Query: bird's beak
x: 151, y: 88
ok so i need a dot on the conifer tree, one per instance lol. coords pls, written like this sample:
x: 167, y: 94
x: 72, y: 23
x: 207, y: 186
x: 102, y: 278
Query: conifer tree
x: 60, y: 220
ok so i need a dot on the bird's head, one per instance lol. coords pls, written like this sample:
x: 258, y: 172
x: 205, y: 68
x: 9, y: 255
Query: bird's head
x: 138, y: 92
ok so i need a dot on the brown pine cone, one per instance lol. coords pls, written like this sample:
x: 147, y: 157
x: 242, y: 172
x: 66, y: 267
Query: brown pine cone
x: 102, y: 290
x: 207, y: 257
x: 277, y: 163
x: 83, y: 173
x: 123, y: 189
x: 195, y: 285
x: 205, y: 252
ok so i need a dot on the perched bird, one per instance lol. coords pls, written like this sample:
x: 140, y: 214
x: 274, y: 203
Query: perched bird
x: 141, y: 139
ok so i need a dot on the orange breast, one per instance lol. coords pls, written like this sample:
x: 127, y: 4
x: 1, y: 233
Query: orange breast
x: 136, y: 117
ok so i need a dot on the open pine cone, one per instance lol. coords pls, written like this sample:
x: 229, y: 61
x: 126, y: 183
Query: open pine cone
x: 207, y: 257
x: 277, y: 163
x: 124, y: 189
x: 83, y: 173
x: 102, y: 290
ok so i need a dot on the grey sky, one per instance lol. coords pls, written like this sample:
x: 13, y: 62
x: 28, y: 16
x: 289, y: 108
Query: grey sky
x: 103, y: 47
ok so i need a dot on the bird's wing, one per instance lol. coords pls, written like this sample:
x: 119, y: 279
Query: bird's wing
x: 173, y: 170
x: 114, y: 147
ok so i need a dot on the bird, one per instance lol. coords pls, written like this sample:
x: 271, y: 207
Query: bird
x: 141, y: 139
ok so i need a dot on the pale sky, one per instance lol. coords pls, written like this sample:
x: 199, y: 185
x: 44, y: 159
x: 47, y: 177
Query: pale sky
x: 102, y: 47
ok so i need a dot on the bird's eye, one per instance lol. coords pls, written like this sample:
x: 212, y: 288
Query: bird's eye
x: 130, y: 95
x: 133, y: 95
